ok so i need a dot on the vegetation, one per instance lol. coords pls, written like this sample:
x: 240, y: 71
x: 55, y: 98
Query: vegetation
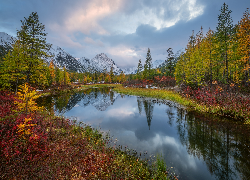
x: 156, y: 93
x: 36, y: 145
x: 213, y: 75
x: 213, y: 72
x: 222, y: 55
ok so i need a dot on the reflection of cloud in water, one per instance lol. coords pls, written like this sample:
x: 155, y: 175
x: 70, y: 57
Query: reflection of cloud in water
x: 174, y: 153
x: 121, y: 113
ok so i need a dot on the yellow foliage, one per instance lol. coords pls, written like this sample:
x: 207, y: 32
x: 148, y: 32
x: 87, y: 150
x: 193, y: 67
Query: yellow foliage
x: 24, y: 128
x: 27, y: 97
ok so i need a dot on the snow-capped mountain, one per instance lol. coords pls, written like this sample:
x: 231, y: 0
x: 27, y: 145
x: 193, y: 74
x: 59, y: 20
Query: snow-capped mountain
x: 131, y: 70
x: 6, y: 39
x: 99, y: 63
x: 61, y: 58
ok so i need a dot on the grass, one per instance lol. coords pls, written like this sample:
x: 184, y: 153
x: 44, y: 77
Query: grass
x: 156, y: 93
x: 226, y: 107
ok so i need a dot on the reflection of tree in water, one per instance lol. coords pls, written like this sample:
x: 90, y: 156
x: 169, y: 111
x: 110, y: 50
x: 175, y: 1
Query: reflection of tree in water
x: 148, y: 108
x: 222, y: 144
x: 100, y: 98
x: 170, y: 114
x: 139, y: 102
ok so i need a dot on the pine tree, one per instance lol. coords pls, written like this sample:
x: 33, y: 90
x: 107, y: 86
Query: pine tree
x: 148, y: 65
x: 169, y: 63
x: 32, y: 34
x: 139, y: 69
x: 224, y: 32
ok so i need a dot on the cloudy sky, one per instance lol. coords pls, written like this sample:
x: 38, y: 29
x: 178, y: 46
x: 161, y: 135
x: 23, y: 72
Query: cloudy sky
x: 123, y: 29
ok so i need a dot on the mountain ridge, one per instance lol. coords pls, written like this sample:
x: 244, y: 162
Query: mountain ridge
x: 100, y: 63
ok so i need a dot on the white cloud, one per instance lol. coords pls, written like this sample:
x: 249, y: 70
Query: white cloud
x: 159, y: 16
x: 85, y: 17
x: 118, y: 112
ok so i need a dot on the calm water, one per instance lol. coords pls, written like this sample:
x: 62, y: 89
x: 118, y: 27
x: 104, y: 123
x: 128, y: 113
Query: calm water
x: 195, y: 146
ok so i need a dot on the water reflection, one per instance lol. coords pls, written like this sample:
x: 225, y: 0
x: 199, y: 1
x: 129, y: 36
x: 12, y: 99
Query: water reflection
x: 222, y: 144
x: 197, y: 146
x: 101, y: 99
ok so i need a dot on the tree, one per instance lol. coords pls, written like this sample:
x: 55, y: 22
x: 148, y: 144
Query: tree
x: 66, y: 79
x: 58, y: 76
x: 169, y: 63
x: 243, y: 36
x: 224, y: 31
x: 13, y: 67
x: 148, y: 66
x: 122, y: 77
x: 209, y: 55
x: 32, y: 35
x: 139, y: 69
x: 111, y: 74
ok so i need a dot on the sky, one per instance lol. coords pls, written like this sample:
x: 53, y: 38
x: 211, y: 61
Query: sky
x: 122, y: 29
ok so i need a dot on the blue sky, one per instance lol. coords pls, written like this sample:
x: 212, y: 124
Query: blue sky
x: 123, y: 29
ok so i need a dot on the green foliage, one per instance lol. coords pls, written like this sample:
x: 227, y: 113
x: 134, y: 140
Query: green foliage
x: 147, y: 73
x: 32, y: 36
x: 13, y: 67
x: 219, y: 56
x: 170, y: 63
x: 223, y: 37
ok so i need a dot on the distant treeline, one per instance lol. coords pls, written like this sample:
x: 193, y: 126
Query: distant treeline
x: 24, y: 62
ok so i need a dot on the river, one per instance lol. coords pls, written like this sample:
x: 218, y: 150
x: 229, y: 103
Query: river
x: 194, y: 146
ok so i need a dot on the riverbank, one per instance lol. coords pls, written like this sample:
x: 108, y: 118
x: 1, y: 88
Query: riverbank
x: 202, y: 100
x: 213, y: 101
x: 57, y: 90
x: 36, y: 145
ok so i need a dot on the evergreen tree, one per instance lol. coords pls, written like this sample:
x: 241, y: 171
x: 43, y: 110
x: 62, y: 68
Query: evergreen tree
x: 148, y: 65
x: 169, y: 63
x: 224, y: 32
x: 139, y: 69
x: 32, y: 34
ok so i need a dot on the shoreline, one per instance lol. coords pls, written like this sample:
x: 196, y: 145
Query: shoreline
x: 190, y: 104
x: 163, y: 94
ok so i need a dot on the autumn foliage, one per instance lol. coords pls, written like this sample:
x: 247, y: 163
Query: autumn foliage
x: 35, y: 145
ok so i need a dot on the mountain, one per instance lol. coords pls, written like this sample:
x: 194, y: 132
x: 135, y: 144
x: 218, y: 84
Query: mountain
x: 6, y: 39
x: 131, y: 70
x: 100, y: 63
x: 61, y: 58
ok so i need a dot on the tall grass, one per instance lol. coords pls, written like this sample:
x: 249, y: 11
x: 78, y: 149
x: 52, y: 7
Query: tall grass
x: 156, y: 93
